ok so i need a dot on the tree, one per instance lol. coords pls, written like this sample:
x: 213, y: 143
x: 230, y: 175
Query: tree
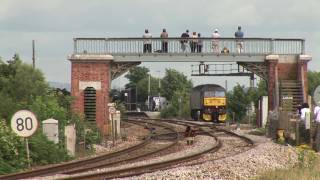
x: 12, y: 150
x: 313, y: 81
x: 174, y: 81
x: 142, y: 88
x: 23, y: 87
x: 240, y: 98
x: 179, y: 105
x: 136, y: 74
x: 238, y: 102
x: 20, y: 84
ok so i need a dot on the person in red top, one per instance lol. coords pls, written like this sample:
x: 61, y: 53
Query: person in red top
x: 164, y: 43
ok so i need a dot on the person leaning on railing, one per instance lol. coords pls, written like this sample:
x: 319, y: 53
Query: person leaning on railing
x: 199, y: 43
x: 215, y: 41
x: 164, y: 43
x: 239, y: 39
x: 147, y: 41
x: 194, y: 41
x: 184, y: 40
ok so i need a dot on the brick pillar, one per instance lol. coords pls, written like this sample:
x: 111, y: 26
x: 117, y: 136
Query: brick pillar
x: 303, y: 74
x: 273, y: 89
x: 91, y: 72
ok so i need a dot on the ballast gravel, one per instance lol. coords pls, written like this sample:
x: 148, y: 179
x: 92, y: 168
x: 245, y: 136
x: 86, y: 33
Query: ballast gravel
x: 266, y: 155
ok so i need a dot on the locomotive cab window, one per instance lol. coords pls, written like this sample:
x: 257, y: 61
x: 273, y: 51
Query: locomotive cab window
x: 90, y: 104
x: 220, y: 94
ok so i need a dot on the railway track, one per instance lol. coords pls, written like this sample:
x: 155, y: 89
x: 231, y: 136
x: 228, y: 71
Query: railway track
x: 148, y: 167
x: 164, y: 132
x: 104, y: 160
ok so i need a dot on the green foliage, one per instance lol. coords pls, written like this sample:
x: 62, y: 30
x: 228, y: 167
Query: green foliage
x: 136, y: 74
x: 238, y: 102
x: 179, y: 105
x: 174, y: 81
x: 12, y: 150
x: 142, y: 86
x: 313, y: 81
x: 23, y: 87
x: 19, y: 85
x: 43, y: 151
x: 239, y: 99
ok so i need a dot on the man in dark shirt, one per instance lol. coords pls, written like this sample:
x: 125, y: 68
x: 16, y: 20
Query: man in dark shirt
x: 184, y: 40
x: 239, y: 42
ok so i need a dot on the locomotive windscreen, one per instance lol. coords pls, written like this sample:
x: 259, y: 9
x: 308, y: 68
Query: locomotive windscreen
x: 214, y: 94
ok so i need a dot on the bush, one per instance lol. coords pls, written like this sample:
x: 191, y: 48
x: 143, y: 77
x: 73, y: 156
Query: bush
x: 12, y: 150
x: 44, y: 151
x: 179, y: 106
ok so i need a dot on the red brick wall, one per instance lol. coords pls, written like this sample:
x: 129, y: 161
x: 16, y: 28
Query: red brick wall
x: 287, y: 71
x: 272, y: 66
x: 91, y: 71
x: 303, y: 66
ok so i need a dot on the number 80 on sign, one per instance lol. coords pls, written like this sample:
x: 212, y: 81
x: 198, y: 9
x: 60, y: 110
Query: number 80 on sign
x: 24, y: 123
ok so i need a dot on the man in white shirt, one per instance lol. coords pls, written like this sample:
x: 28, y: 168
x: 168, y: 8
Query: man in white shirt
x: 147, y: 42
x: 306, y: 123
x: 215, y: 41
x: 316, y: 113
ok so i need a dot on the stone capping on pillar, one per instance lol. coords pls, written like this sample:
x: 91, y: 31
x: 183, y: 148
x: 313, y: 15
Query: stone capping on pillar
x: 272, y: 57
x: 304, y: 57
x: 91, y: 57
x: 94, y: 84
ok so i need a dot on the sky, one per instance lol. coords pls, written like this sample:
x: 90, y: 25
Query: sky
x: 53, y: 24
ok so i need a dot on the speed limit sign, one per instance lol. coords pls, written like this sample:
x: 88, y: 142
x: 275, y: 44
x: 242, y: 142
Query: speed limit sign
x: 24, y: 123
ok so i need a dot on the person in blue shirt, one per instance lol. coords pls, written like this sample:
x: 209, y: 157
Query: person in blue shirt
x: 239, y: 42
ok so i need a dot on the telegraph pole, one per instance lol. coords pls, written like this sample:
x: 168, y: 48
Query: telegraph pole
x: 33, y: 55
x: 149, y: 88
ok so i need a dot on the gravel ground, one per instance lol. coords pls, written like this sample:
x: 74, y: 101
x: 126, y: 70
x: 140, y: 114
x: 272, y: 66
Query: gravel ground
x: 266, y: 155
x: 200, y: 141
x: 229, y: 162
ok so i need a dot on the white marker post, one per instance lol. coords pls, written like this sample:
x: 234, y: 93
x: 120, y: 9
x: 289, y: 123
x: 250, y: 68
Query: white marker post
x: 24, y: 123
x: 112, y: 110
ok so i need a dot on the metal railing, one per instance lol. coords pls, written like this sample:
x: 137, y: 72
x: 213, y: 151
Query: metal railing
x: 136, y: 46
x: 218, y: 69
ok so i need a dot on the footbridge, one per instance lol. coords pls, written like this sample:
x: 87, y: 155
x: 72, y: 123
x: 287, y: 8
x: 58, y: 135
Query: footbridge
x: 97, y: 61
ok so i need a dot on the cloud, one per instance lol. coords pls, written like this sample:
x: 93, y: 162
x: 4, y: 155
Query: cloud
x: 54, y: 23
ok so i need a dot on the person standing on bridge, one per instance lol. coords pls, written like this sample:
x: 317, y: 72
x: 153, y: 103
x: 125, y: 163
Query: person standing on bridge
x: 147, y: 41
x: 164, y: 43
x: 194, y: 41
x: 199, y: 43
x: 239, y: 39
x: 215, y: 41
x: 184, y: 40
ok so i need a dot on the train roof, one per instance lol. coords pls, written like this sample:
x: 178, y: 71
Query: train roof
x: 204, y: 87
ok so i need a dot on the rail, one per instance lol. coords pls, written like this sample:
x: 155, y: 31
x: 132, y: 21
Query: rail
x: 180, y: 46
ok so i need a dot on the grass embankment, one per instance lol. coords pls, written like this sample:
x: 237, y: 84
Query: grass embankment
x: 308, y: 168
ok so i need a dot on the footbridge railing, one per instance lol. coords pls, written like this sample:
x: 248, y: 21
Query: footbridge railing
x: 176, y: 46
